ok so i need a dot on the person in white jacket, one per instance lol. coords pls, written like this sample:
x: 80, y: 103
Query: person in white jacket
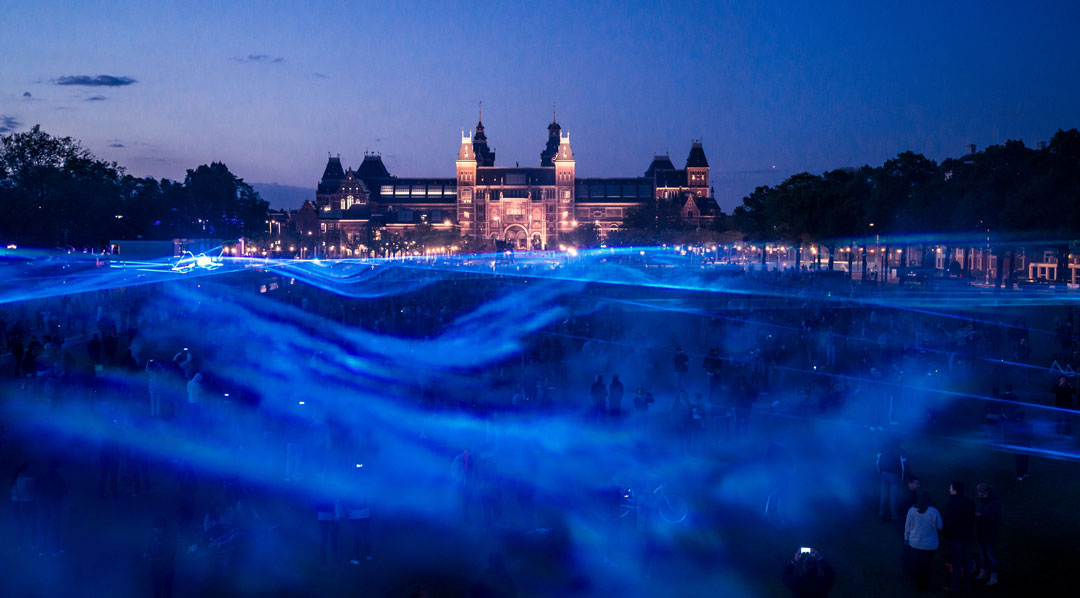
x: 921, y: 539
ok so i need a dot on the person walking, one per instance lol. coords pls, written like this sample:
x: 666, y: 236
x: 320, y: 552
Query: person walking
x: 959, y: 531
x: 987, y: 527
x: 921, y: 539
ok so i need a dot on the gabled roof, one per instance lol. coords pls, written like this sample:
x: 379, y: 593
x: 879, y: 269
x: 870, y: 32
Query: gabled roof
x: 659, y: 162
x: 696, y: 159
x: 333, y: 170
x: 706, y: 205
x: 372, y: 168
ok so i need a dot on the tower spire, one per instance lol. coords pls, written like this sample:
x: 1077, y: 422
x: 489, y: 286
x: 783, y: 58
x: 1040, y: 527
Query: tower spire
x: 480, y: 111
x: 553, y: 112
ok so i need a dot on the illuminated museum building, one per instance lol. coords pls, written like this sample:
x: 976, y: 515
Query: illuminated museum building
x: 527, y: 206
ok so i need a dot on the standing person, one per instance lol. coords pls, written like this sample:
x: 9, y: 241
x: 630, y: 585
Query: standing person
x: 161, y: 555
x: 615, y: 395
x: 959, y: 531
x: 680, y: 361
x: 909, y: 497
x: 891, y: 462
x: 987, y: 526
x: 93, y: 347
x: 598, y: 392
x: 1063, y: 399
x: 921, y: 539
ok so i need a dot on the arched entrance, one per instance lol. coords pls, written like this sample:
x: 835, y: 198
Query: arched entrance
x: 516, y: 236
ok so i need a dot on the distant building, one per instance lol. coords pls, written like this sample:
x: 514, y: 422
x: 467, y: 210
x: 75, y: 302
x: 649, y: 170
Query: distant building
x: 530, y: 207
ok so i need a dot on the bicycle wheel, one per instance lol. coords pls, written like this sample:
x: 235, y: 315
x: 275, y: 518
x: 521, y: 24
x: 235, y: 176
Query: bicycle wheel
x: 673, y: 509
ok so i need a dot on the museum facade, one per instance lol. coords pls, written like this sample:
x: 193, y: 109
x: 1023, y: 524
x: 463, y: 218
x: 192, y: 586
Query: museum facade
x: 528, y: 207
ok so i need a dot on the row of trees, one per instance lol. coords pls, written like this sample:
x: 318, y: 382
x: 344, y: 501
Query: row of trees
x: 1008, y: 193
x: 55, y: 193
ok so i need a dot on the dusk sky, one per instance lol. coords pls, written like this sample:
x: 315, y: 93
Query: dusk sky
x: 772, y: 89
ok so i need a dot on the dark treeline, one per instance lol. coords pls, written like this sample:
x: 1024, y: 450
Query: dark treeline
x: 1005, y: 193
x: 55, y: 193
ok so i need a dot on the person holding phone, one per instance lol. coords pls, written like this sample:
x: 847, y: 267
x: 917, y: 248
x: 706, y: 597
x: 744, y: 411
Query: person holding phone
x: 809, y: 575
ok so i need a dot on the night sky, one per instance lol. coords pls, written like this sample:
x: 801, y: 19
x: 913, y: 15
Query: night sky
x: 772, y: 90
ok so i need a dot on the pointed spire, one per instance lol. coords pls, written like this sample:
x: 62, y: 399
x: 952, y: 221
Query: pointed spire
x: 484, y: 155
x: 552, y: 147
x: 480, y: 112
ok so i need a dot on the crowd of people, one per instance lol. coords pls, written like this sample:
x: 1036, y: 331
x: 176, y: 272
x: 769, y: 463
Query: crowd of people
x: 703, y: 381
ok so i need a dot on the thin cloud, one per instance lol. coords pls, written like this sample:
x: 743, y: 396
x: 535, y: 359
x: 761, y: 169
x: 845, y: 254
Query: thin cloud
x: 319, y: 75
x: 117, y: 145
x: 8, y: 123
x: 96, y: 99
x: 26, y: 94
x: 261, y: 59
x: 92, y: 81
